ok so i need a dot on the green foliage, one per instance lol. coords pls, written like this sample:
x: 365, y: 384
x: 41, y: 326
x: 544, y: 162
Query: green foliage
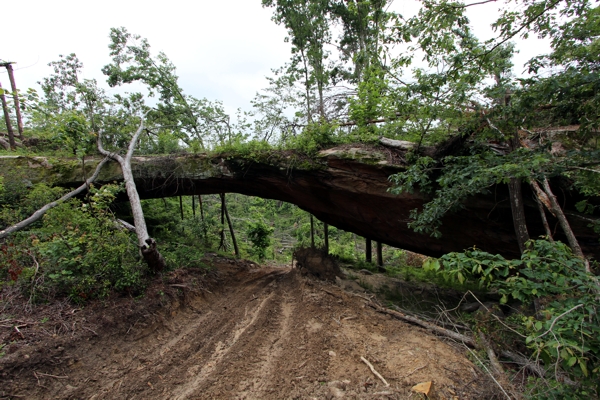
x: 566, y: 333
x: 74, y: 133
x: 458, y: 177
x: 259, y: 233
x: 315, y: 137
x: 78, y: 252
x: 180, y: 255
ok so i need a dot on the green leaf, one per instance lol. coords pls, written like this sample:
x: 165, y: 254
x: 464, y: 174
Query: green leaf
x: 538, y: 326
x: 583, y: 367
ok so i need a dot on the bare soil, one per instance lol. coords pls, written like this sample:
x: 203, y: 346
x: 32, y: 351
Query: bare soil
x: 240, y: 332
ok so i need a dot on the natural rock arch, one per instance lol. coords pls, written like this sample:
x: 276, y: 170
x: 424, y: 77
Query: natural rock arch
x: 346, y: 187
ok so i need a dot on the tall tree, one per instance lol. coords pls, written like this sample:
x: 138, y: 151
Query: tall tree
x: 309, y: 32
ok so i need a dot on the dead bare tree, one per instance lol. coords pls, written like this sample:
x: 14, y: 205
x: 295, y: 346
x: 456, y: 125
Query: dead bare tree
x: 11, y: 136
x: 147, y: 245
x: 13, y: 86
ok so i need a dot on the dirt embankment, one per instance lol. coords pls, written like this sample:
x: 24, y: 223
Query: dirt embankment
x: 254, y: 333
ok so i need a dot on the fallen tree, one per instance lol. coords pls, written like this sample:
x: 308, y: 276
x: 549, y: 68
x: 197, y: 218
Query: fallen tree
x: 147, y: 245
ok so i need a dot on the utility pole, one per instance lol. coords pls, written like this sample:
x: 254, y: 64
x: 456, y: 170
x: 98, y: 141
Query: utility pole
x: 13, y: 86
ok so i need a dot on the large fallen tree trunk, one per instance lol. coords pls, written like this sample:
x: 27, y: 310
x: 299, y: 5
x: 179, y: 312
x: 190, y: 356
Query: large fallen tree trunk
x: 147, y: 245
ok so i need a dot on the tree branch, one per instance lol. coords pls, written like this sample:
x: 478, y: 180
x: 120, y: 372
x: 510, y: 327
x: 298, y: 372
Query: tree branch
x: 39, y: 213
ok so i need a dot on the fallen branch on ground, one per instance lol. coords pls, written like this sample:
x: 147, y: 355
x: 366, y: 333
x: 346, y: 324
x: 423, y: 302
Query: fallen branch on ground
x: 496, y: 367
x: 524, y: 362
x: 429, y: 326
x: 377, y: 374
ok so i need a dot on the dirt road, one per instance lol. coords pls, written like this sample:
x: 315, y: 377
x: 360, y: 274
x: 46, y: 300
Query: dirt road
x: 258, y: 333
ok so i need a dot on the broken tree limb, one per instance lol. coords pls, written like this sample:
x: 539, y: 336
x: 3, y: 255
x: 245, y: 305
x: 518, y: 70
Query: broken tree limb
x: 126, y: 225
x: 495, y: 365
x: 564, y: 224
x: 524, y: 362
x: 377, y: 374
x: 397, y: 144
x: 431, y: 327
x: 39, y: 213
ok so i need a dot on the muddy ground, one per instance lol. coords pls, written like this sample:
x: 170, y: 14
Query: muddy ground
x: 240, y: 332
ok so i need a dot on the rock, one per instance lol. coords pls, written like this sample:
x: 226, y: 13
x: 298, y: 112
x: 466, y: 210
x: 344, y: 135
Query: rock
x: 335, y: 393
x: 425, y: 388
x: 345, y: 187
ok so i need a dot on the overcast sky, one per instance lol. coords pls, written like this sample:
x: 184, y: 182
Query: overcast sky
x: 222, y: 49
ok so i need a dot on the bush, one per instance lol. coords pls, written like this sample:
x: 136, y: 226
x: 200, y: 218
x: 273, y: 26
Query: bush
x: 315, y: 137
x: 79, y: 252
x: 259, y: 233
x: 565, y: 333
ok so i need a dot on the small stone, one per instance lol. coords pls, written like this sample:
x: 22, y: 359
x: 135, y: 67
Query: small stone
x: 332, y: 353
x: 335, y: 392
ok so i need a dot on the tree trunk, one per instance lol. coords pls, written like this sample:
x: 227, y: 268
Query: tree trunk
x: 147, y: 245
x: 13, y: 86
x: 368, y: 251
x: 312, y: 232
x: 539, y: 194
x: 11, y: 134
x: 193, y: 207
x: 326, y: 236
x: 202, y: 218
x: 231, y: 231
x: 564, y: 223
x: 518, y: 212
x: 40, y: 213
x: 181, y: 206
x: 307, y: 86
x: 201, y: 207
x: 222, y: 244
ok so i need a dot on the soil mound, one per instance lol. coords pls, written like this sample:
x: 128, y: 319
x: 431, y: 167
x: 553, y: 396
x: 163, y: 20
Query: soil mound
x: 317, y: 263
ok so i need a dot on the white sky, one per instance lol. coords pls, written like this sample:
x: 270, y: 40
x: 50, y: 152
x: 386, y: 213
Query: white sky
x: 222, y: 49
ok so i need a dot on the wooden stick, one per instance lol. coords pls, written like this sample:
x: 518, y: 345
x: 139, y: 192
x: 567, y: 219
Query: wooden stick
x: 439, y: 330
x: 377, y: 374
x: 51, y: 376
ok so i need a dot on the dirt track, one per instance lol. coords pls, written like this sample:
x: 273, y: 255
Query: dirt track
x: 261, y: 333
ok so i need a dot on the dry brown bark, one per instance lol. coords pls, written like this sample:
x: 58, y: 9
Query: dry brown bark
x: 13, y: 86
x: 11, y: 135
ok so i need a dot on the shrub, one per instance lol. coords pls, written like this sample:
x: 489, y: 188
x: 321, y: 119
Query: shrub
x: 565, y: 334
x: 81, y: 253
